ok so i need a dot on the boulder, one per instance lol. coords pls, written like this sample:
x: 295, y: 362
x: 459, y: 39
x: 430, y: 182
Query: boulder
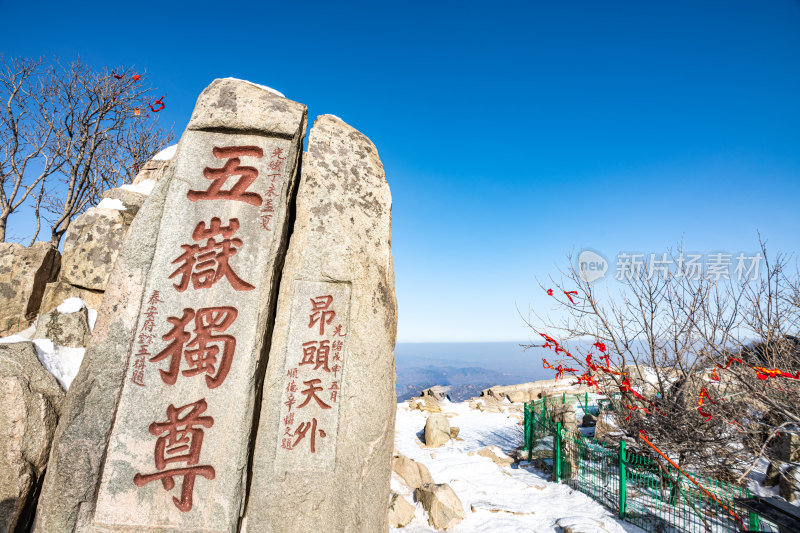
x: 152, y: 170
x: 773, y: 475
x: 789, y: 447
x: 413, y: 473
x: 790, y: 483
x: 55, y: 293
x: 437, y: 392
x: 64, y: 329
x: 401, y: 512
x: 30, y: 405
x: 91, y: 246
x: 566, y: 415
x: 497, y: 455
x: 445, y: 510
x: 132, y: 201
x: 24, y: 272
x: 454, y: 430
x: 437, y: 430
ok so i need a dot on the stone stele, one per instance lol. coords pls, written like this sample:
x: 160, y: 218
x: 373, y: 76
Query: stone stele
x: 157, y: 427
x: 323, y: 453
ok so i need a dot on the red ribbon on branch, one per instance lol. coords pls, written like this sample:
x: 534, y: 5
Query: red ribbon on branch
x: 704, y: 394
x: 160, y: 103
x: 569, y: 293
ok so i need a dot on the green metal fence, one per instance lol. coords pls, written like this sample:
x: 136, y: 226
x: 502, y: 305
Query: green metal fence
x: 654, y: 496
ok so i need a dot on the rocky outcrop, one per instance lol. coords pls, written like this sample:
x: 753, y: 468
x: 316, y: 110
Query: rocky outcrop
x: 91, y: 246
x: 445, y: 510
x: 64, y: 329
x: 24, y: 272
x: 437, y: 430
x: 401, y: 512
x: 414, y: 474
x: 536, y: 390
x: 57, y: 292
x: 30, y: 405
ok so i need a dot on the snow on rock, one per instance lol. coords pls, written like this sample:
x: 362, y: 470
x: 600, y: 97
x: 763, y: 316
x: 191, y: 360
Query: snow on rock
x: 22, y: 336
x: 270, y: 89
x: 166, y: 154
x: 71, y: 305
x: 111, y: 203
x: 92, y: 318
x: 496, y: 499
x: 61, y: 361
x: 143, y: 187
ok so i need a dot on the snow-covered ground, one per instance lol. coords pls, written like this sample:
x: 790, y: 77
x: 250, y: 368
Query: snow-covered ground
x: 514, y: 499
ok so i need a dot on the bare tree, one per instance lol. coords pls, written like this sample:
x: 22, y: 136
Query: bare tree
x: 106, y: 136
x: 85, y: 131
x: 28, y: 143
x: 707, y: 367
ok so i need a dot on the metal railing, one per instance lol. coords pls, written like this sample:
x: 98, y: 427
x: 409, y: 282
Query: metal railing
x: 654, y: 496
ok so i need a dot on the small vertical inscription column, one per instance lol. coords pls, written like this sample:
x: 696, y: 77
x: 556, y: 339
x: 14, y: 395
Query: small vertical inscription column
x: 314, y: 376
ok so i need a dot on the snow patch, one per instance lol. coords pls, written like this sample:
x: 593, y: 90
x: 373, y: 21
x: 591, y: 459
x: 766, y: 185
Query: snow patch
x: 111, y: 203
x: 92, y: 318
x: 143, y: 187
x: 166, y: 154
x: 519, y: 499
x: 71, y: 305
x: 62, y: 362
x: 270, y: 89
x: 334, y: 116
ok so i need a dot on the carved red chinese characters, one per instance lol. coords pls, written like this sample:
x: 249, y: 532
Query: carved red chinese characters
x: 232, y: 167
x: 180, y: 440
x: 205, y: 265
x: 200, y: 352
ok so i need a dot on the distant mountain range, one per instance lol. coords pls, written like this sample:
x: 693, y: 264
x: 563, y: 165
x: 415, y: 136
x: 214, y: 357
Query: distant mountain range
x: 464, y: 383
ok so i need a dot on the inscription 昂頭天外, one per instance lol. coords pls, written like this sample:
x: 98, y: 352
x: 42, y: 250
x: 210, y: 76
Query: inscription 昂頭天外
x: 312, y: 383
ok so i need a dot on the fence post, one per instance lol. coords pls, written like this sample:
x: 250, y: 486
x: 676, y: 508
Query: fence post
x: 531, y: 429
x: 754, y: 524
x: 623, y: 480
x: 563, y: 398
x: 586, y: 403
x: 557, y: 453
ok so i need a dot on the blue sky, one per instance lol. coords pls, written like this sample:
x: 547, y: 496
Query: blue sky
x: 511, y: 132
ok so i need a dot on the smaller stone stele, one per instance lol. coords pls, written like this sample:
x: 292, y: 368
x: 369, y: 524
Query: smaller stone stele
x: 401, y: 512
x: 437, y: 430
x: 55, y: 293
x: 91, y: 246
x: 30, y: 405
x: 413, y: 473
x: 445, y: 510
x: 64, y: 329
x: 24, y: 272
